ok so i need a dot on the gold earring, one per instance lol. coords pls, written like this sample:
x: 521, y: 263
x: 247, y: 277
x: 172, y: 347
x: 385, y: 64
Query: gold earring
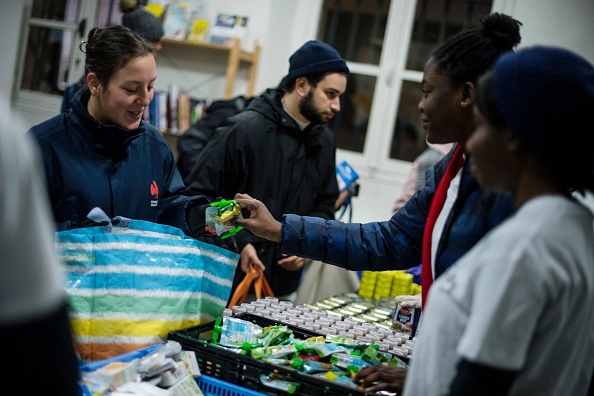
x: 463, y: 104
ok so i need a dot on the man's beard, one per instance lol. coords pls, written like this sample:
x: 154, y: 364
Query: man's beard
x: 309, y: 111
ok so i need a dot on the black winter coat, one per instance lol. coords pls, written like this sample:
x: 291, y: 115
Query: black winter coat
x: 262, y: 152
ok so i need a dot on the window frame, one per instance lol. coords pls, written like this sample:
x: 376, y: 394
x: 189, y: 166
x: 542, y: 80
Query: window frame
x: 375, y: 162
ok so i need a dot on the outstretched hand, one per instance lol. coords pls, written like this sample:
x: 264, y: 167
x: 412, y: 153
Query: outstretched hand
x: 381, y: 377
x: 291, y: 263
x: 260, y: 222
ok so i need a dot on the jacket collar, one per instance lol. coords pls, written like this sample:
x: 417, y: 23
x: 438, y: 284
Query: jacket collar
x: 109, y: 137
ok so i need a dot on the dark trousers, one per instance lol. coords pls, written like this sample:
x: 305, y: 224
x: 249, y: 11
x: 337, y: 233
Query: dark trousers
x: 40, y: 355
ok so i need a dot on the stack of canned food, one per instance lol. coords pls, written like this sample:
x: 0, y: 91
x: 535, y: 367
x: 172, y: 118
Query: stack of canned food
x: 350, y: 315
x: 378, y: 284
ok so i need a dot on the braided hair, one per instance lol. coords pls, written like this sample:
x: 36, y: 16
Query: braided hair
x: 467, y: 55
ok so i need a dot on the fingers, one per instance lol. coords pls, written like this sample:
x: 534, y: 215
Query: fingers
x: 292, y: 263
x: 242, y: 196
x: 245, y: 266
x: 243, y: 199
x: 259, y: 265
x: 376, y: 378
x: 260, y: 222
x: 367, y: 376
x: 380, y: 387
x: 249, y: 259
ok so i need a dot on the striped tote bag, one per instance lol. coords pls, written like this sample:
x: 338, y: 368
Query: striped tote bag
x: 129, y: 284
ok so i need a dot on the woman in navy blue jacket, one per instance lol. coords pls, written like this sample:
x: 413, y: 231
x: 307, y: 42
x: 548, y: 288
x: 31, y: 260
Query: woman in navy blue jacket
x: 103, y: 154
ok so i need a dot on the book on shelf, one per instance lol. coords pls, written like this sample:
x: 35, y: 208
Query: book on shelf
x: 198, y: 31
x: 163, y: 111
x: 153, y: 112
x: 183, y: 112
x: 173, y: 100
x: 227, y: 27
x: 174, y: 112
x: 157, y: 7
x: 176, y: 20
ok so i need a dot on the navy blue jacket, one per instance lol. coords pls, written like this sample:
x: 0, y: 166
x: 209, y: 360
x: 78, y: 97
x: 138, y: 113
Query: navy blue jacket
x: 397, y: 243
x: 129, y: 173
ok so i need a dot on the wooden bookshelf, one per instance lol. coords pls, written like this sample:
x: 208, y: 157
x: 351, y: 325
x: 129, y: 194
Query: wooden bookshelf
x: 235, y: 57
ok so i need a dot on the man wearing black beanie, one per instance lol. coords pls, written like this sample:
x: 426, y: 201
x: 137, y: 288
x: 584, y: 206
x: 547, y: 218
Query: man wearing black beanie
x: 280, y: 151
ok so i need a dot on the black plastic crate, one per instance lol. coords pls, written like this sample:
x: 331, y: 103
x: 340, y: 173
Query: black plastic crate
x: 245, y: 371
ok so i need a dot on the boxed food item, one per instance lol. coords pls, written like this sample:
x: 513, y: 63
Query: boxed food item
x: 407, y: 314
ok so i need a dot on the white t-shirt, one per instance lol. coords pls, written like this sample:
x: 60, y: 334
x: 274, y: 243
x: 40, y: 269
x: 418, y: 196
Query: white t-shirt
x: 451, y: 197
x: 521, y: 299
x: 32, y: 279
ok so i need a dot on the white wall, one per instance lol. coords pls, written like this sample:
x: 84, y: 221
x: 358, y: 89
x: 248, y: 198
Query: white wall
x: 567, y: 23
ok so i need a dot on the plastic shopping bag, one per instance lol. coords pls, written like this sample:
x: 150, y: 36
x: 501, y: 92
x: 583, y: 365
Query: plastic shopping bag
x: 130, y: 284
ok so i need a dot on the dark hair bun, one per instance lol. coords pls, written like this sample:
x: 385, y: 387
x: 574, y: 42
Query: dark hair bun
x: 502, y: 29
x: 128, y: 5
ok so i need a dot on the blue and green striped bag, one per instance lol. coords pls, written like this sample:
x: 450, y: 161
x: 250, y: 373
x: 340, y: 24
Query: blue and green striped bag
x: 130, y: 284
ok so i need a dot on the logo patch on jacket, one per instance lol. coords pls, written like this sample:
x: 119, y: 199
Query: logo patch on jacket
x: 154, y: 194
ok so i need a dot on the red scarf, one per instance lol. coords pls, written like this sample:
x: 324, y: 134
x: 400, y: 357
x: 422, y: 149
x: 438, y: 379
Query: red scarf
x: 434, y: 210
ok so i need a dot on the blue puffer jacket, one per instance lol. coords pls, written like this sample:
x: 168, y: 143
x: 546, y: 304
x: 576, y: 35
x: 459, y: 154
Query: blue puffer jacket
x: 397, y: 243
x: 129, y: 173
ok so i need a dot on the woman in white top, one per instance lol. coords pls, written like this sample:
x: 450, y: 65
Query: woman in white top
x: 515, y: 315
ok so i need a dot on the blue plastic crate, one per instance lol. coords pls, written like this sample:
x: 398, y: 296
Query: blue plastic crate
x: 211, y: 386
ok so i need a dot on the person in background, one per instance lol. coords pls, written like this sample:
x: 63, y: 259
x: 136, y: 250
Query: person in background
x: 415, y: 180
x: 426, y: 230
x: 103, y: 154
x: 280, y: 150
x: 192, y: 141
x: 515, y: 315
x: 140, y: 21
x: 35, y: 333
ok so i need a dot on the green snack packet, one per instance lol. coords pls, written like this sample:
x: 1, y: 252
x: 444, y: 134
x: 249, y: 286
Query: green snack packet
x: 275, y: 335
x: 277, y: 383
